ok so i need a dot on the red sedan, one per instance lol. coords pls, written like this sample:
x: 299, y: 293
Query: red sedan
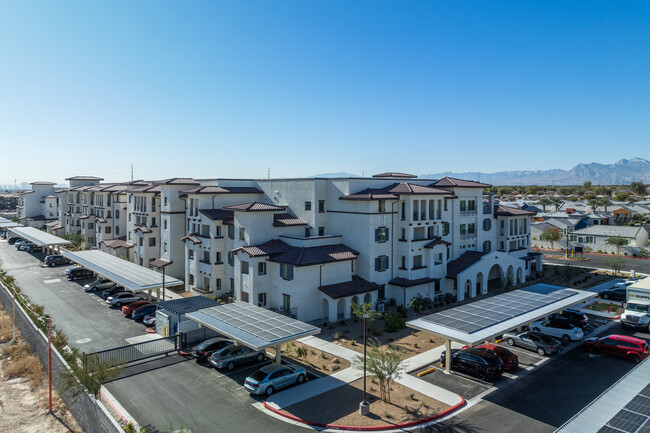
x: 510, y: 360
x: 127, y: 310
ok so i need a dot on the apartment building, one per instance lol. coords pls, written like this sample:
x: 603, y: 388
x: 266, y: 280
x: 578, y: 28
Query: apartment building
x: 38, y: 206
x: 8, y: 201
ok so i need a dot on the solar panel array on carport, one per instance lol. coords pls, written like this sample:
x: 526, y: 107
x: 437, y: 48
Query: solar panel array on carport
x: 38, y: 237
x: 129, y: 275
x: 623, y: 408
x: 8, y: 224
x: 252, y: 326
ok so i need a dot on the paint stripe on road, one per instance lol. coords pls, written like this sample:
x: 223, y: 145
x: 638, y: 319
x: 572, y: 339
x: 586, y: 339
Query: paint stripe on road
x: 55, y: 280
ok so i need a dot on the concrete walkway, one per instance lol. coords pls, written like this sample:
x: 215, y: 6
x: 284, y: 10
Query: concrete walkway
x: 324, y: 384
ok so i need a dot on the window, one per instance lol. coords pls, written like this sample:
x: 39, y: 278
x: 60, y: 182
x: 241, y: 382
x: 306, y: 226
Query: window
x: 261, y: 299
x: 231, y: 258
x: 164, y: 224
x: 321, y: 206
x: 487, y: 246
x: 217, y: 232
x: 417, y: 262
x: 129, y: 217
x: 446, y: 200
x: 403, y: 235
x: 217, y: 259
x: 381, y: 234
x: 218, y: 283
x: 487, y: 224
x: 471, y: 228
x: 403, y: 266
x: 165, y: 200
x: 153, y: 203
x: 152, y: 242
x: 130, y: 198
x: 261, y: 268
x: 381, y: 263
x: 231, y: 231
x: 438, y: 259
x: 286, y: 271
x: 321, y: 231
x: 165, y: 247
x: 91, y: 225
x: 381, y: 293
x: 286, y: 302
x: 206, y: 256
x: 403, y: 211
x: 307, y: 232
x: 190, y: 254
x: 153, y: 222
x: 381, y: 206
x: 244, y: 268
x: 445, y: 229
x: 141, y: 241
x: 463, y: 205
x: 232, y: 284
x: 307, y: 205
x: 129, y: 235
x: 242, y: 233
x: 117, y: 230
x: 107, y: 230
x: 463, y: 229
x: 191, y: 280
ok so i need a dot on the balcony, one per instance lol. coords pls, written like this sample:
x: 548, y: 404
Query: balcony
x: 289, y: 312
x: 467, y: 236
x: 487, y: 209
x: 468, y: 213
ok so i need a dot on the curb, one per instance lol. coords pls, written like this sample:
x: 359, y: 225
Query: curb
x: 367, y: 428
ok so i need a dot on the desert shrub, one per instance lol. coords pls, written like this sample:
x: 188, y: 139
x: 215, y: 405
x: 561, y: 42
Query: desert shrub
x: 394, y: 321
x: 28, y: 367
x: 375, y: 329
x: 301, y: 351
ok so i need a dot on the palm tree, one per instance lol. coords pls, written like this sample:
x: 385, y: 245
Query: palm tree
x: 593, y: 203
x: 618, y: 242
x: 543, y: 202
x: 556, y: 201
x: 604, y: 202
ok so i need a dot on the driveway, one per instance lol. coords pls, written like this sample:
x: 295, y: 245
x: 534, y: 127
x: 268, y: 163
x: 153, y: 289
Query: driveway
x: 599, y: 261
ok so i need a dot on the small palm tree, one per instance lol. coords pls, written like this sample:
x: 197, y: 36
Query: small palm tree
x: 618, y: 242
x: 604, y: 202
x: 543, y: 202
x: 556, y: 201
x: 593, y: 203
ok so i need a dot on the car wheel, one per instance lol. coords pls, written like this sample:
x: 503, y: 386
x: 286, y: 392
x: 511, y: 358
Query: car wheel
x: 510, y: 342
x: 301, y: 378
x: 566, y: 338
x: 269, y: 390
x: 541, y: 351
x: 605, y: 296
x: 634, y: 359
x: 593, y: 350
x: 231, y: 365
x: 536, y: 329
x: 260, y: 357
x: 480, y: 374
x: 119, y: 304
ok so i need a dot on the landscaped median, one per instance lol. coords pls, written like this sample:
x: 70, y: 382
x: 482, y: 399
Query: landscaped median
x: 338, y: 408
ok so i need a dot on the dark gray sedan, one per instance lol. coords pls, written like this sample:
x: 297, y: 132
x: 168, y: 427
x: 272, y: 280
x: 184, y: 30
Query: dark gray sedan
x: 233, y: 355
x: 540, y: 343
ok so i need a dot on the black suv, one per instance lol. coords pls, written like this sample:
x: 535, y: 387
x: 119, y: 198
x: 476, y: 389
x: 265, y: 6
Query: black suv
x: 574, y: 317
x: 80, y: 274
x: 55, y: 260
x: 12, y: 240
x: 615, y: 294
x: 478, y: 362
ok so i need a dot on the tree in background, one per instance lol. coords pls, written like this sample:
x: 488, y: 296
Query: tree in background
x: 552, y: 235
x: 616, y: 263
x: 618, y: 242
x: 604, y: 202
x: 556, y: 201
x: 543, y: 202
x: 637, y: 188
x: 359, y: 311
x: 76, y: 239
x: 622, y: 196
x: 593, y: 203
x: 385, y: 363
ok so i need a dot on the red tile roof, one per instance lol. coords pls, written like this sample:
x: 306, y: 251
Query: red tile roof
x: 394, y: 190
x: 356, y: 286
x: 195, y: 240
x: 458, y: 183
x: 280, y: 252
x: 117, y: 243
x: 177, y: 181
x: 143, y: 229
x: 436, y: 241
x: 222, y: 190
x: 147, y: 189
x: 405, y: 282
x: 217, y: 214
x: 512, y: 211
x: 285, y: 219
x: 254, y: 206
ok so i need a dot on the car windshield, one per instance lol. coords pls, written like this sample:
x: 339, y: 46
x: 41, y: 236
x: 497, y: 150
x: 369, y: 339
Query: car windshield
x: 226, y: 350
x: 633, y: 306
x: 259, y: 375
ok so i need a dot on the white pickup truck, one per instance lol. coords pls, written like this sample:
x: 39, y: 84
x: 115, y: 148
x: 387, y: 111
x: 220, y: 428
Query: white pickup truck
x: 637, y: 307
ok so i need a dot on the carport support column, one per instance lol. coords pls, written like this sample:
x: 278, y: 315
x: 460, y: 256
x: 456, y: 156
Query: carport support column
x: 278, y: 354
x: 448, y: 356
x: 149, y: 295
x: 158, y: 294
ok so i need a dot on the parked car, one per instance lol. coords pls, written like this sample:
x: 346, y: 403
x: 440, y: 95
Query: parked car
x: 540, y: 343
x: 33, y: 249
x: 631, y: 348
x: 149, y: 319
x: 55, y: 260
x: 112, y: 291
x: 123, y: 298
x: 559, y: 328
x: 143, y: 310
x: 22, y: 244
x: 205, y: 349
x: 484, y: 364
x: 99, y: 284
x: 232, y: 355
x: 272, y: 377
x: 574, y: 317
x: 12, y: 240
x: 615, y: 293
x: 509, y: 359
x: 80, y: 274
x: 127, y: 310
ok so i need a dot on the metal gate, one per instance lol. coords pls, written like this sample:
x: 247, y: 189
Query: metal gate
x: 135, y: 352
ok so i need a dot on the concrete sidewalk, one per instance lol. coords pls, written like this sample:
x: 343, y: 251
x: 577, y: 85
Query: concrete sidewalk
x: 324, y: 384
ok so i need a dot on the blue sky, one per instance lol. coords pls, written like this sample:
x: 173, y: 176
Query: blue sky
x: 232, y: 89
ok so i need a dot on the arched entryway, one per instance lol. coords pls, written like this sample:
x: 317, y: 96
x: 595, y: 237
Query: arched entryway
x: 520, y: 275
x: 340, y: 309
x: 354, y: 300
x: 480, y: 284
x: 494, y: 277
x: 367, y: 298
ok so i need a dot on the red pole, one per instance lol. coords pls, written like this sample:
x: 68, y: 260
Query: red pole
x: 49, y: 356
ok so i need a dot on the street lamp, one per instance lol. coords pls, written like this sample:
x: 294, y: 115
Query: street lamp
x: 364, y: 406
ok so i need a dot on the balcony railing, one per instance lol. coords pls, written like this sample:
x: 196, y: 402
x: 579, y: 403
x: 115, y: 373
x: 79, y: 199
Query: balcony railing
x: 468, y: 213
x: 467, y: 236
x: 290, y: 312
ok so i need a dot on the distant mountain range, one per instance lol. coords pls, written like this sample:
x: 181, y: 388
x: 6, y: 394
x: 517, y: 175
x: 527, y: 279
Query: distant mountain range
x: 620, y: 173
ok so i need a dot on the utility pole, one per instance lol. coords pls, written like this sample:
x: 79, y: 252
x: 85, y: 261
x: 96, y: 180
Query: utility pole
x: 268, y: 173
x: 131, y: 172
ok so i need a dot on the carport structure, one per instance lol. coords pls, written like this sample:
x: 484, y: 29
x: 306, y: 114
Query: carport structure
x: 127, y: 274
x: 253, y: 326
x: 483, y: 320
x: 5, y: 223
x: 40, y: 238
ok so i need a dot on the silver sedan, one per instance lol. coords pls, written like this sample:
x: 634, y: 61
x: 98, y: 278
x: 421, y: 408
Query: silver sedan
x: 123, y: 298
x: 540, y: 343
x: 232, y: 355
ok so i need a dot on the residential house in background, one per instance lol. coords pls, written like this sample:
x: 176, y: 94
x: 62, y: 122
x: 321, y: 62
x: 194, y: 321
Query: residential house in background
x: 38, y: 206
